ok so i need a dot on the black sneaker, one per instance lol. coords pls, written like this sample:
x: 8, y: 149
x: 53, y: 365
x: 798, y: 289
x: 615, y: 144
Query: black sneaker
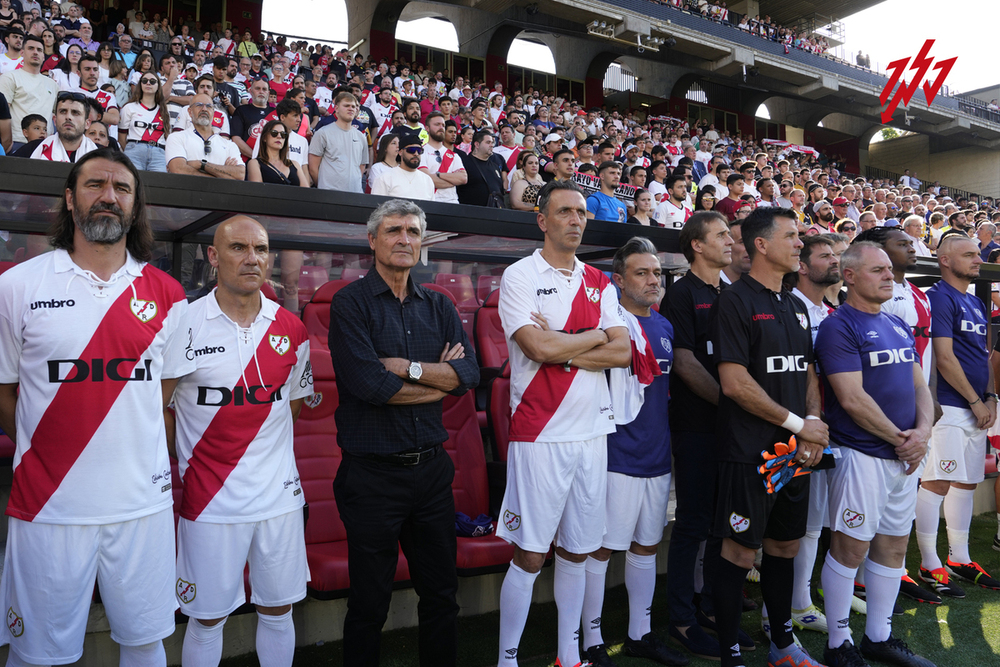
x: 893, y: 651
x: 597, y: 655
x: 996, y: 543
x: 973, y: 573
x: 746, y: 643
x: 652, y: 648
x: 911, y: 589
x: 941, y: 583
x: 697, y: 642
x: 846, y: 655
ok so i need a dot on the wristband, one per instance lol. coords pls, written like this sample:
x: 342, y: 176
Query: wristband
x: 793, y: 423
x: 978, y: 400
x: 568, y: 365
x: 808, y: 417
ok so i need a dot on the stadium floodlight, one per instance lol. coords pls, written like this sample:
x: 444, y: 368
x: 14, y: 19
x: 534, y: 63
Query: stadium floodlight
x: 604, y: 24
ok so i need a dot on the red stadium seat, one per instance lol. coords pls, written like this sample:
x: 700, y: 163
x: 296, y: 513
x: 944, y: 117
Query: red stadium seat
x: 991, y: 463
x: 442, y: 290
x: 491, y: 344
x: 6, y: 265
x: 311, y: 279
x: 353, y: 274
x: 318, y: 458
x: 460, y: 285
x: 498, y: 412
x: 316, y: 317
x: 269, y: 292
x: 485, y: 286
x: 476, y: 555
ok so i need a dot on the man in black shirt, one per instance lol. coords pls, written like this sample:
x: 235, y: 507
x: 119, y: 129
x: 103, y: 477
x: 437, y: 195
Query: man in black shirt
x: 707, y: 245
x: 763, y: 348
x: 487, y: 173
x: 248, y: 116
x: 397, y: 350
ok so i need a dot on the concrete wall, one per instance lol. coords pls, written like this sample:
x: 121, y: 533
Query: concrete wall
x: 971, y: 168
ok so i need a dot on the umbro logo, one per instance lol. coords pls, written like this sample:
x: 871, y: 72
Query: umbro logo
x: 546, y: 291
x: 511, y: 653
x: 53, y: 303
x: 596, y: 623
x: 843, y: 623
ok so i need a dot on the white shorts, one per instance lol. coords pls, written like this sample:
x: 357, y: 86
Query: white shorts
x: 48, y: 584
x: 957, y: 450
x: 211, y: 558
x: 555, y: 491
x: 636, y: 510
x: 819, y: 501
x: 869, y: 495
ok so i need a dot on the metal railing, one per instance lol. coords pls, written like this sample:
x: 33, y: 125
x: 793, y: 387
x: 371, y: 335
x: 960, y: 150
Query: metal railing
x: 872, y: 173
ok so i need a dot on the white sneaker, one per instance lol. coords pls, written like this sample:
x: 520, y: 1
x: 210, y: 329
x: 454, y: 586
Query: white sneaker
x: 753, y: 576
x: 765, y: 625
x: 810, y: 618
x: 859, y: 606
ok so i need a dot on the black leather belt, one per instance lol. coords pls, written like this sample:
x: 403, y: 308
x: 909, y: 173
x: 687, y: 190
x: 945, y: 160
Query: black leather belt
x: 402, y: 458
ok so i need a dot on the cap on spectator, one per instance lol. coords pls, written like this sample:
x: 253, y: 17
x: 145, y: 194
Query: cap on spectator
x: 191, y: 65
x: 257, y: 55
x: 409, y: 140
x: 840, y: 201
x: 552, y: 137
x: 819, y: 205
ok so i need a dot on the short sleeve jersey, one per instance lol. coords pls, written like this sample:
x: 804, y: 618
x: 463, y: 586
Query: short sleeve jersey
x: 910, y: 304
x: 689, y: 309
x: 438, y: 160
x: 641, y: 448
x: 961, y: 317
x: 143, y: 124
x: 881, y: 347
x: 234, y: 424
x: 89, y: 357
x: 670, y: 215
x: 769, y: 334
x: 549, y: 403
x: 606, y: 208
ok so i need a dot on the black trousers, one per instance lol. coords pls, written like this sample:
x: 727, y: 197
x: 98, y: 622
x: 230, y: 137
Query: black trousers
x: 385, y: 506
x: 694, y: 484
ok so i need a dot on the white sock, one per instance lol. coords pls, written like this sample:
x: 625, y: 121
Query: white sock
x: 883, y: 587
x: 13, y: 660
x: 275, y: 640
x: 998, y: 524
x: 569, y: 587
x: 593, y: 601
x: 928, y: 515
x: 640, y: 582
x: 805, y: 561
x: 958, y: 516
x: 515, y: 601
x: 699, y: 568
x: 202, y: 644
x: 146, y: 655
x: 838, y: 589
x: 859, y: 577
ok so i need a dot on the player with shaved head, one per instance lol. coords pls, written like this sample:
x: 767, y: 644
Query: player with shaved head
x: 242, y: 497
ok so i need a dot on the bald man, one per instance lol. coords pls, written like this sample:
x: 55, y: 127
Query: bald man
x: 199, y: 151
x: 242, y: 498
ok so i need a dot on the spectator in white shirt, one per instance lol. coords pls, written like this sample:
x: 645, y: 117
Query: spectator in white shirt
x: 444, y: 166
x: 406, y: 180
x: 200, y: 151
x: 27, y: 90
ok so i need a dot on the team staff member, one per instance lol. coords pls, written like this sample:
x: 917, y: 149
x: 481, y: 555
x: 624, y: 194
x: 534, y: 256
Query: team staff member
x: 93, y: 341
x: 234, y: 418
x: 880, y: 414
x: 764, y: 351
x: 638, y: 466
x: 393, y: 487
x: 958, y: 444
x: 561, y: 321
x: 707, y: 245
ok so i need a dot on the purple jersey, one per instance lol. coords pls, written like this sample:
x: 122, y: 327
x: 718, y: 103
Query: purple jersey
x: 881, y: 347
x: 641, y: 448
x: 961, y: 317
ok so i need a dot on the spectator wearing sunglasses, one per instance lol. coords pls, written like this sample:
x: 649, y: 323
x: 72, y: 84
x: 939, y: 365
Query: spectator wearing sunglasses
x: 444, y: 166
x: 407, y: 180
x: 847, y: 227
x: 200, y: 151
x: 27, y: 90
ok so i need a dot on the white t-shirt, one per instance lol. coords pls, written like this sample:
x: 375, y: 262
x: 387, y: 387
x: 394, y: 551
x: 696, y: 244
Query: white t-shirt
x: 816, y: 313
x: 323, y: 97
x: 189, y: 145
x: 8, y: 65
x: 429, y: 162
x: 671, y: 216
x: 721, y: 191
x: 89, y: 357
x: 142, y: 124
x: 107, y: 101
x: 658, y: 190
x: 234, y: 423
x: 26, y: 94
x: 298, y: 149
x: 549, y: 404
x: 398, y: 182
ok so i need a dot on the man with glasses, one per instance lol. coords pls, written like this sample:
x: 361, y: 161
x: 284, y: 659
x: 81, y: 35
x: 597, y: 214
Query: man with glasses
x: 443, y: 165
x: 27, y: 90
x: 242, y: 76
x: 407, y: 180
x: 200, y: 151
x: 125, y: 51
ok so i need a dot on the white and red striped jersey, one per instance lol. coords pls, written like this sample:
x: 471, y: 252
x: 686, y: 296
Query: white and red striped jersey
x: 549, y: 403
x: 911, y: 305
x: 670, y: 215
x: 442, y: 161
x: 142, y: 124
x: 88, y: 357
x: 234, y: 424
x: 382, y: 117
x: 220, y: 123
x: 509, y: 155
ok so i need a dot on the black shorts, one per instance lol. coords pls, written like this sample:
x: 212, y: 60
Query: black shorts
x: 746, y: 513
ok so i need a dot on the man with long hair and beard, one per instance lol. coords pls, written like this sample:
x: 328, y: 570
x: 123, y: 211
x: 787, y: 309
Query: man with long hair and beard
x: 93, y: 342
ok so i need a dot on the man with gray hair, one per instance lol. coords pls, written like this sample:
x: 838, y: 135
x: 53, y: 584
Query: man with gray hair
x: 985, y: 233
x: 393, y: 487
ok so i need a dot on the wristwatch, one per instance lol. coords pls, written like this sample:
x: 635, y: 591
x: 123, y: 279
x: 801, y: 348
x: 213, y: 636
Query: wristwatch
x: 203, y: 163
x: 988, y: 395
x: 415, y: 371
